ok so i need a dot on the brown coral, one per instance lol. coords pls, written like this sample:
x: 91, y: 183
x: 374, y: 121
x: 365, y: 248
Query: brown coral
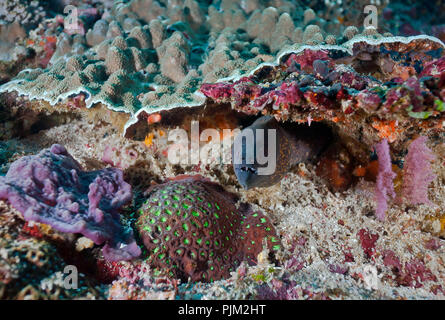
x: 192, y: 228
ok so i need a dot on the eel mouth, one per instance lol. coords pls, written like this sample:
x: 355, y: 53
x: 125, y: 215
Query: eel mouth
x: 249, y: 169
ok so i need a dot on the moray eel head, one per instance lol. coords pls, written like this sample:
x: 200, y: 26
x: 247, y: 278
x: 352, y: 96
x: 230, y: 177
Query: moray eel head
x: 255, y: 161
x: 249, y: 174
x: 264, y: 152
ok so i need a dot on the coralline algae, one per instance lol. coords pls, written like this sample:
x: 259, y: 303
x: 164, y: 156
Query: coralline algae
x: 350, y: 86
x: 331, y: 77
x: 52, y: 188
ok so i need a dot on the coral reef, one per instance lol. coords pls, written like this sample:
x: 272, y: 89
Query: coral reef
x: 135, y: 282
x: 16, y: 17
x: 135, y: 63
x: 192, y: 229
x: 32, y: 270
x: 51, y: 188
x: 320, y: 231
x: 414, y: 18
x: 110, y: 80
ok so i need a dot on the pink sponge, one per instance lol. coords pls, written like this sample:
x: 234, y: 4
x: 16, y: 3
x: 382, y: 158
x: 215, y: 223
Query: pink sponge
x: 385, y: 179
x: 417, y: 172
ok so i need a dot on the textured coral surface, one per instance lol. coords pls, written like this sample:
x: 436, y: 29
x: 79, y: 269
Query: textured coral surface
x: 51, y: 188
x: 110, y: 80
x: 139, y: 64
x: 192, y: 228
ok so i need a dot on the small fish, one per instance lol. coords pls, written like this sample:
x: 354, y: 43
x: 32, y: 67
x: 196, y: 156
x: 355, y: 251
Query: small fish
x: 292, y: 145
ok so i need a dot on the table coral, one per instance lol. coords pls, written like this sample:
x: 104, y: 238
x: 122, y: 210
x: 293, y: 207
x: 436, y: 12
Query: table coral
x: 136, y: 63
x: 192, y: 228
x: 137, y: 66
x: 52, y: 188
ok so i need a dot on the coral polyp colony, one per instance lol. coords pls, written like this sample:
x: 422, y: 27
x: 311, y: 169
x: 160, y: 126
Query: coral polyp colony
x: 97, y: 96
x: 192, y: 229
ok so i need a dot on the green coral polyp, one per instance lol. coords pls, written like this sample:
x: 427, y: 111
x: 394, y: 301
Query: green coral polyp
x: 195, y: 213
x: 440, y: 105
x: 185, y: 206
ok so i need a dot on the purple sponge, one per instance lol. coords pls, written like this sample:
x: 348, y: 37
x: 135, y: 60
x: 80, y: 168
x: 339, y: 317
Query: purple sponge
x: 52, y: 188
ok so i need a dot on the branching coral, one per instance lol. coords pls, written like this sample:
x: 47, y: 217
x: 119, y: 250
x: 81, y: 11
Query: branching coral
x: 52, y: 188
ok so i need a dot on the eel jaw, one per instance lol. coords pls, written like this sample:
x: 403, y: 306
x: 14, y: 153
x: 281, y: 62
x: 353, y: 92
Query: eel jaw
x: 246, y: 175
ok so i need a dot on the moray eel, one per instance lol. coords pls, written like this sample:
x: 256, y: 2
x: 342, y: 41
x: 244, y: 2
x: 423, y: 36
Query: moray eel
x: 287, y: 144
